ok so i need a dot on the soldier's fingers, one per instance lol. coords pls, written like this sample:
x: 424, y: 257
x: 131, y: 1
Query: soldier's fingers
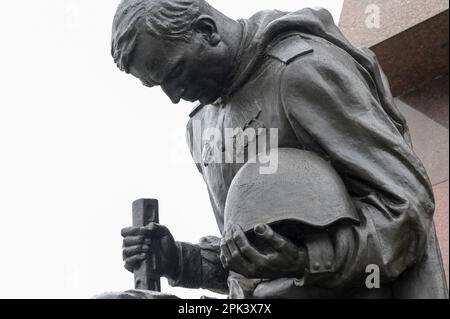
x: 278, y: 242
x: 225, y: 253
x: 249, y: 252
x: 133, y: 241
x: 223, y: 260
x: 236, y: 255
x: 155, y: 230
x: 134, y: 261
x: 238, y: 262
x: 128, y: 267
x: 235, y: 263
x: 132, y: 231
x: 134, y: 250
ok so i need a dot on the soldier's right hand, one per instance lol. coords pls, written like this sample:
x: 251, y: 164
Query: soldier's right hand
x: 137, y: 246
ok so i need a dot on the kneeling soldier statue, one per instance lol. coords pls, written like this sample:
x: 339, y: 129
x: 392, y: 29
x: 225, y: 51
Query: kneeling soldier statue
x: 348, y: 194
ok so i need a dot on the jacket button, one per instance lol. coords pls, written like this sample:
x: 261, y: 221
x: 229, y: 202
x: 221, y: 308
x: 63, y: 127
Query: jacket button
x: 316, y: 266
x: 329, y: 265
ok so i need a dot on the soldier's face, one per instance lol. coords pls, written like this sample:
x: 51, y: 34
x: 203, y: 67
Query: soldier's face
x: 192, y: 71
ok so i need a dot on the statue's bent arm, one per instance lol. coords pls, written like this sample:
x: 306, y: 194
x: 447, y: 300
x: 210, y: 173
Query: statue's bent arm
x: 387, y: 182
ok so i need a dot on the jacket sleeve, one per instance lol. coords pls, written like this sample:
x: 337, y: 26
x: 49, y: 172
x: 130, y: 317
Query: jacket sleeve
x: 200, y: 266
x: 333, y: 105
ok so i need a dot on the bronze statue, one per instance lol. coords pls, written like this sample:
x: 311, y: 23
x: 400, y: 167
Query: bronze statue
x: 296, y: 73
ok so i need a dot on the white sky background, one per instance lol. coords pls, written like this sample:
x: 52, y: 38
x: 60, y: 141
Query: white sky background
x: 79, y: 141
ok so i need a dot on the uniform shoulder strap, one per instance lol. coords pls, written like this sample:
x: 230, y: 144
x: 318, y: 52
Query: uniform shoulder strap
x: 290, y: 48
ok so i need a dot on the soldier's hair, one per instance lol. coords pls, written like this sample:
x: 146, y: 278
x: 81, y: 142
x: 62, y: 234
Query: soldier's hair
x: 167, y: 19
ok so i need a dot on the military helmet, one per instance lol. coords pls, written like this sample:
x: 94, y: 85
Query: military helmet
x: 305, y: 189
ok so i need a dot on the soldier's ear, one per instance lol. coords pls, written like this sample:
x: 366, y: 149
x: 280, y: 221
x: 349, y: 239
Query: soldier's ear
x: 207, y: 27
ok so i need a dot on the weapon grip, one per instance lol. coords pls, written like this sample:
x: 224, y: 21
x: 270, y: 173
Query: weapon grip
x: 146, y: 211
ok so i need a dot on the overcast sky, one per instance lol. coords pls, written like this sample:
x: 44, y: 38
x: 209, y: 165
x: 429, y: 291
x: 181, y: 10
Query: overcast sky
x: 79, y: 141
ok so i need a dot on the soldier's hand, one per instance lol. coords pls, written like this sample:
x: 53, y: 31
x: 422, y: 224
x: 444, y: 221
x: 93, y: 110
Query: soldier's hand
x: 137, y: 245
x: 238, y: 255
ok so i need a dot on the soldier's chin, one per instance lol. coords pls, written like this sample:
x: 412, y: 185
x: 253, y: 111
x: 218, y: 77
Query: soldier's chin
x: 208, y: 99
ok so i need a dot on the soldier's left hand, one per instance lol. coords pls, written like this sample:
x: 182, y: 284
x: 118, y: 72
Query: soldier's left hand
x: 238, y: 255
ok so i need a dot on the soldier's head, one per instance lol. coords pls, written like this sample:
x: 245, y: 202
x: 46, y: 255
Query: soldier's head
x: 184, y: 46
